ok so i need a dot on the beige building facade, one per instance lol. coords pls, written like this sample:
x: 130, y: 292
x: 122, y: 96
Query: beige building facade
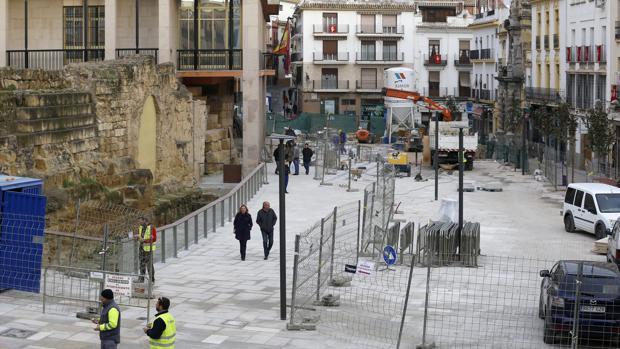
x: 217, y: 46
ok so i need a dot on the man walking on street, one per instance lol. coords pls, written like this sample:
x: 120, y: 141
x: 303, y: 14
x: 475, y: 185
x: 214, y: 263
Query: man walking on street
x: 147, y: 237
x: 266, y: 219
x: 109, y: 323
x: 307, y: 157
x: 162, y: 333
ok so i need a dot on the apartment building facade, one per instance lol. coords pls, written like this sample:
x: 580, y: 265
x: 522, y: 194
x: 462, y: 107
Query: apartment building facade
x: 217, y: 46
x: 548, y: 47
x: 340, y: 50
x: 443, y: 53
x: 489, y: 52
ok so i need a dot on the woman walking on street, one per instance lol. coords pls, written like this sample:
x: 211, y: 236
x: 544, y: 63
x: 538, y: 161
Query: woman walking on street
x: 243, y: 226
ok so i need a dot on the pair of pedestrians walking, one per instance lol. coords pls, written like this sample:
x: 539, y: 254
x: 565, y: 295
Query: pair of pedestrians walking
x: 265, y: 218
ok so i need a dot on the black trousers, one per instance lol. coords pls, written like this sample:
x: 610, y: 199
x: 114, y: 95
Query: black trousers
x: 242, y: 246
x: 146, y: 263
x: 307, y: 166
x: 267, y: 241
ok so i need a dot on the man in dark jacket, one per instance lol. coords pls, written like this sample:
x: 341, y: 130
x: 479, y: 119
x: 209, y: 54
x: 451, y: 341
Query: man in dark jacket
x: 109, y: 323
x: 307, y: 157
x: 266, y: 219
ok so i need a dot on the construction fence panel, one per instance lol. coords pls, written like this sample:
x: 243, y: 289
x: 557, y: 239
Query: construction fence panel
x: 346, y: 238
x: 503, y: 303
x: 72, y: 289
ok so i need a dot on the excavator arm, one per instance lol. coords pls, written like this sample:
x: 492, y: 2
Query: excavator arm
x: 416, y: 97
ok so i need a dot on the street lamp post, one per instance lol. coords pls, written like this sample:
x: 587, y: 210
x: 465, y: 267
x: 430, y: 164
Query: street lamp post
x: 461, y: 158
x: 281, y: 138
x: 436, y: 156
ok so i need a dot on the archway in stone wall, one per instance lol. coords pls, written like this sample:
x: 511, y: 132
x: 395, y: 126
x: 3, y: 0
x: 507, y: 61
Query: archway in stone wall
x: 147, y: 134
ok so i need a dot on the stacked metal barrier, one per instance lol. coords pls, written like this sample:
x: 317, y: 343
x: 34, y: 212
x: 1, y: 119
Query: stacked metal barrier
x: 440, y: 239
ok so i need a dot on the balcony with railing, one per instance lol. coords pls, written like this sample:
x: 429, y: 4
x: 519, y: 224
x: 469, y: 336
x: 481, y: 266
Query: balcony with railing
x: 54, y: 59
x: 378, y: 58
x: 483, y: 54
x: 585, y: 55
x: 330, y: 85
x: 433, y: 89
x: 330, y: 58
x: 436, y: 60
x: 546, y: 42
x: 268, y: 61
x: 367, y: 86
x: 556, y: 41
x: 212, y: 59
x: 124, y: 52
x: 464, y: 92
x: 331, y: 29
x: 543, y: 94
x: 382, y: 31
x: 484, y: 95
x: 462, y: 60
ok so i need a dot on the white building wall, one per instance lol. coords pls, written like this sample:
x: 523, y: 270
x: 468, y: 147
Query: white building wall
x: 449, y: 47
x: 351, y: 70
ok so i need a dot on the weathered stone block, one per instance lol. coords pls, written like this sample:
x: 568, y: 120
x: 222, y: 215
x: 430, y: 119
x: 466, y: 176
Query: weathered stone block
x: 215, y: 135
x: 225, y: 143
x: 214, y: 146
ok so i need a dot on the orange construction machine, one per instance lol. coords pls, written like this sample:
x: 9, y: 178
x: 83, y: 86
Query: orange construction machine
x: 416, y: 97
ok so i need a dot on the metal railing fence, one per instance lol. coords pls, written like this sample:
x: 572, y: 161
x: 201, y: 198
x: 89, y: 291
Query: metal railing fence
x: 179, y: 235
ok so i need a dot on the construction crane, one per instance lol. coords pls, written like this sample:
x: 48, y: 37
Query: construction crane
x: 416, y: 97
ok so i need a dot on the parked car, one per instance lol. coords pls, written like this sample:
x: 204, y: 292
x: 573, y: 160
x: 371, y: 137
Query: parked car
x: 599, y: 301
x: 613, y: 244
x: 591, y: 207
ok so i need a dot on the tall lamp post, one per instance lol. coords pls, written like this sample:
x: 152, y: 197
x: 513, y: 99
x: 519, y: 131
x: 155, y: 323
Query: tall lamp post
x: 461, y: 170
x: 281, y: 138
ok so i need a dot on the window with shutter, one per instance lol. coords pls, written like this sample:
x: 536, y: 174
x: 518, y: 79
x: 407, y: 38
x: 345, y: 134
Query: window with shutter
x: 330, y: 50
x: 368, y: 51
x: 368, y: 24
x: 369, y: 78
x: 389, y: 24
x: 390, y: 51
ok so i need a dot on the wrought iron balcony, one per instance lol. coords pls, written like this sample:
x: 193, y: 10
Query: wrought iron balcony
x: 53, y: 59
x: 543, y: 94
x: 330, y: 84
x: 435, y: 60
x: 215, y: 59
x: 333, y: 29
x: 367, y: 85
x: 381, y: 57
x: 342, y: 57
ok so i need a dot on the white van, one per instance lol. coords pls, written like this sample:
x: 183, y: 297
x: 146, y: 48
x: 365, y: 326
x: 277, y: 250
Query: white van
x: 591, y: 207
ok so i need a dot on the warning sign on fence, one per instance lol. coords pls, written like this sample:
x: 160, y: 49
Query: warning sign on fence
x: 365, y: 267
x: 119, y: 284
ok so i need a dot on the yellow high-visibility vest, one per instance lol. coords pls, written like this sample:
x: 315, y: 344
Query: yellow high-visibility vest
x: 146, y: 235
x: 168, y: 336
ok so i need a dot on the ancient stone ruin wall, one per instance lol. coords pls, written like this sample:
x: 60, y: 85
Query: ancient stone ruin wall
x: 88, y: 120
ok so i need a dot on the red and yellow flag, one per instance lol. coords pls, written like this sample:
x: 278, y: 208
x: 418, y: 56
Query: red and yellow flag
x: 285, y: 42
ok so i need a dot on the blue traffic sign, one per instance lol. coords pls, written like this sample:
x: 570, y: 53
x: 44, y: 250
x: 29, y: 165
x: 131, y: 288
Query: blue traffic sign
x: 389, y: 255
x: 469, y: 107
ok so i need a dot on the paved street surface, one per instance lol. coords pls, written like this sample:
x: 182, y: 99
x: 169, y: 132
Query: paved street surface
x: 221, y: 302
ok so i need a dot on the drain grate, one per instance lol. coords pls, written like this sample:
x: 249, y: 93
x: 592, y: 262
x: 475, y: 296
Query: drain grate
x: 17, y: 333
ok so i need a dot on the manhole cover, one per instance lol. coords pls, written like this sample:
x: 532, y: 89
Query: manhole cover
x: 17, y: 333
x: 235, y: 323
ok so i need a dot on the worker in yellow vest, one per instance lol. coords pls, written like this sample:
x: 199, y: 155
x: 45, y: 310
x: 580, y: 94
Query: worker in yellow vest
x: 147, y: 236
x: 162, y: 332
